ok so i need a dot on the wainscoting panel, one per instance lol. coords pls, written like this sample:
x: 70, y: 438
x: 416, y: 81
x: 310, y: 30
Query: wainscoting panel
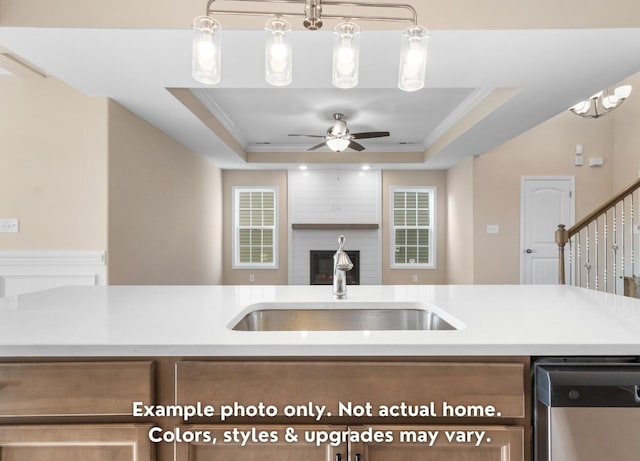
x: 27, y: 271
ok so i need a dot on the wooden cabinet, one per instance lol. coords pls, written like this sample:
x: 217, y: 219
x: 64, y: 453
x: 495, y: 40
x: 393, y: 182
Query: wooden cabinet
x: 75, y: 442
x: 80, y: 410
x: 466, y: 385
x: 52, y: 389
x: 282, y: 450
x: 395, y: 443
x: 329, y: 382
x: 443, y: 443
x: 57, y: 411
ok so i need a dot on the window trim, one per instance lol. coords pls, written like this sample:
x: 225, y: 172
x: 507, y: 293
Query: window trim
x: 432, y: 190
x: 236, y: 264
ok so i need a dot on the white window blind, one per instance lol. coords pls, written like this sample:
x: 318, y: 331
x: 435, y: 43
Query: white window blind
x: 413, y: 227
x: 255, y: 227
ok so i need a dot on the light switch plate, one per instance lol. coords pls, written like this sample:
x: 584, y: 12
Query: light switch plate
x: 9, y: 225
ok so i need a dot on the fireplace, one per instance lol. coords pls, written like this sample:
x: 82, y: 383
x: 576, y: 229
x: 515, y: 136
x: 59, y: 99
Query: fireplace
x: 321, y: 267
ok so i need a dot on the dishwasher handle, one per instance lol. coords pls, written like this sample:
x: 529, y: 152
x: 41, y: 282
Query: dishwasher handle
x: 595, y: 396
x: 607, y: 386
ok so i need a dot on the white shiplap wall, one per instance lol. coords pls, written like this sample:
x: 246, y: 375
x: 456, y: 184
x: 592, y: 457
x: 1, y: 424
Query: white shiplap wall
x: 335, y: 197
x: 328, y: 196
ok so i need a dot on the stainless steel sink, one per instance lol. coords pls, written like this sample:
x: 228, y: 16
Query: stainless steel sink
x: 319, y: 317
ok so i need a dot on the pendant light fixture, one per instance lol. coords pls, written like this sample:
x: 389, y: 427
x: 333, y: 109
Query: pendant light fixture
x: 346, y: 47
x: 413, y: 58
x: 602, y: 102
x: 206, y: 50
x: 346, y: 55
x: 277, y: 52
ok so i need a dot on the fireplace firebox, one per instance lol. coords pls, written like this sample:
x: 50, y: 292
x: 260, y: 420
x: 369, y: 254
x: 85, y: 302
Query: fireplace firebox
x: 321, y: 267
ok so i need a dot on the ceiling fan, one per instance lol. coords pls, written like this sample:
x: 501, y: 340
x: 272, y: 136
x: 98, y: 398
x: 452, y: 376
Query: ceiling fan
x: 338, y: 137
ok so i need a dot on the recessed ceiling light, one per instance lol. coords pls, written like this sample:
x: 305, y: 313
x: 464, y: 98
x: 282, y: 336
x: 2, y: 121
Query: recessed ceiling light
x: 303, y: 167
x: 366, y: 167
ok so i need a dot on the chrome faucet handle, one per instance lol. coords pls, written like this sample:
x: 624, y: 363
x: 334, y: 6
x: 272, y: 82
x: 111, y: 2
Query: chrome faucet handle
x: 342, y: 260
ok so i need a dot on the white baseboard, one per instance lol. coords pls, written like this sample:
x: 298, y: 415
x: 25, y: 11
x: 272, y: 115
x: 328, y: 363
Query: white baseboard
x: 26, y: 271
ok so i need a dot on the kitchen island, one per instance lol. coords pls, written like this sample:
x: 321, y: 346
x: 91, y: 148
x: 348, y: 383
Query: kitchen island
x: 93, y: 372
x: 513, y: 320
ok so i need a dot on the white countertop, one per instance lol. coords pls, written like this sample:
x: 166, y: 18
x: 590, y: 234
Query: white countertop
x: 194, y: 321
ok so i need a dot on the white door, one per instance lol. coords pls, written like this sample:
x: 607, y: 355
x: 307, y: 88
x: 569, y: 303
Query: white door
x: 545, y: 203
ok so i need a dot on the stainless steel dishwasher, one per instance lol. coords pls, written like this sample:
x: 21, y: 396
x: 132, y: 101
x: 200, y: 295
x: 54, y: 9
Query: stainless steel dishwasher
x: 587, y: 410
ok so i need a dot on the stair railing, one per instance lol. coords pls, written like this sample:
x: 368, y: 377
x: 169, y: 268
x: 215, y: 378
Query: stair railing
x: 601, y: 245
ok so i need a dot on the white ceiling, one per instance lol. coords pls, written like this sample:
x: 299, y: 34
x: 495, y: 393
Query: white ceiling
x: 549, y: 70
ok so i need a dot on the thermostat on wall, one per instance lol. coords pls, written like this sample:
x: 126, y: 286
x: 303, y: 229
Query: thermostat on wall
x: 596, y: 161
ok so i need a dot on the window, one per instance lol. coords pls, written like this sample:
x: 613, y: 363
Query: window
x: 412, y: 227
x: 255, y: 227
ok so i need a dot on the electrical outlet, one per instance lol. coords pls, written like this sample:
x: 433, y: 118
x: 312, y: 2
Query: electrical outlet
x: 9, y: 225
x: 415, y: 278
x: 252, y: 277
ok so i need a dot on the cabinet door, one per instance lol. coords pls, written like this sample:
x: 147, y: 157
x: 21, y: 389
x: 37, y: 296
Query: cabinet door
x: 280, y: 383
x: 58, y: 389
x: 75, y: 442
x: 499, y: 443
x: 279, y: 450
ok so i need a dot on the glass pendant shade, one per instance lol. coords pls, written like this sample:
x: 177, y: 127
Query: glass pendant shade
x: 277, y: 52
x: 582, y: 107
x: 206, y: 50
x: 338, y: 144
x: 616, y: 97
x: 623, y: 92
x: 413, y: 58
x: 346, y: 55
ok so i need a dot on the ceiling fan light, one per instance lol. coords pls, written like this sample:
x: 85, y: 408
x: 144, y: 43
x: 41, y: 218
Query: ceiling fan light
x: 277, y: 52
x: 346, y: 55
x: 413, y: 58
x: 338, y: 144
x: 205, y: 57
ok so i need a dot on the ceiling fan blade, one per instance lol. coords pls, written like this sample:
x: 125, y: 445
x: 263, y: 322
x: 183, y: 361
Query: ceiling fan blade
x: 309, y: 135
x: 318, y: 146
x: 370, y: 134
x: 355, y: 146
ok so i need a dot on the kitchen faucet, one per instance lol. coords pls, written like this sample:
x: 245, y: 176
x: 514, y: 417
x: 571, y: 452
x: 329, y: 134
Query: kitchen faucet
x: 341, y: 264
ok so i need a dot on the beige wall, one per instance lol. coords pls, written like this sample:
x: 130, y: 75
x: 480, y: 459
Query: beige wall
x: 435, y: 178
x: 548, y: 149
x: 437, y: 15
x: 53, y: 165
x: 460, y: 219
x: 626, y: 123
x: 278, y: 276
x: 165, y: 207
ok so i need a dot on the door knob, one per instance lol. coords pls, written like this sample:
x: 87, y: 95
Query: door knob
x: 528, y: 250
